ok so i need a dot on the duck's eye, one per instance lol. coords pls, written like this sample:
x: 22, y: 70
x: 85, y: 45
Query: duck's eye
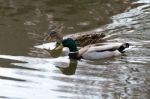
x: 52, y: 33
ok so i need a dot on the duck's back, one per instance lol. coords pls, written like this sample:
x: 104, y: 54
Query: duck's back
x: 87, y: 38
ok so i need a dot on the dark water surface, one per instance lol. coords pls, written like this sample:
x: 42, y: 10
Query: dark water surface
x: 30, y: 73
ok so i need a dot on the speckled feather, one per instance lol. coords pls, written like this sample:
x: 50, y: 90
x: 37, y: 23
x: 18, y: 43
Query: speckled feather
x: 87, y: 38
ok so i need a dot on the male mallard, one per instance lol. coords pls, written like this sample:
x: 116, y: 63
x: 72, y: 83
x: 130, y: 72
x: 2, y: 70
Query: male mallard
x: 81, y: 39
x: 91, y: 52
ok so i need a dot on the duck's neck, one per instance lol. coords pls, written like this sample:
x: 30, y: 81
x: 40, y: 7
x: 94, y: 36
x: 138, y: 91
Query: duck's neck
x: 71, y: 44
x: 73, y: 48
x: 73, y: 54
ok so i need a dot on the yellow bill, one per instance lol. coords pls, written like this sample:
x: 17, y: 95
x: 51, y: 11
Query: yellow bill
x: 59, y: 47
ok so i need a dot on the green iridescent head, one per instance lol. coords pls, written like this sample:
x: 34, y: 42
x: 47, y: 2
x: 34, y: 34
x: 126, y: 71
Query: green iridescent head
x: 70, y: 43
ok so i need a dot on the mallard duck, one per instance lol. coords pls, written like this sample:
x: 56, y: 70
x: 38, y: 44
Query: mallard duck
x: 81, y: 39
x: 92, y: 52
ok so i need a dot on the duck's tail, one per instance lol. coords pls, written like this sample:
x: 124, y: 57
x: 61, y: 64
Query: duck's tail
x: 123, y: 47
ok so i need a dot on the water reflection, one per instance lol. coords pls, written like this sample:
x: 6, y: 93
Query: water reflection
x: 64, y: 64
x: 71, y: 69
x: 23, y: 24
x: 28, y: 78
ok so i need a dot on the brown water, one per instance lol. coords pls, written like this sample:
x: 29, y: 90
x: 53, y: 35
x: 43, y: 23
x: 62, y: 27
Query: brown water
x: 30, y: 73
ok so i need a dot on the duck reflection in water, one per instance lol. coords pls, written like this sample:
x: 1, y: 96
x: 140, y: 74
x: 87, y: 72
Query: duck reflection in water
x: 66, y: 65
x: 71, y: 68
